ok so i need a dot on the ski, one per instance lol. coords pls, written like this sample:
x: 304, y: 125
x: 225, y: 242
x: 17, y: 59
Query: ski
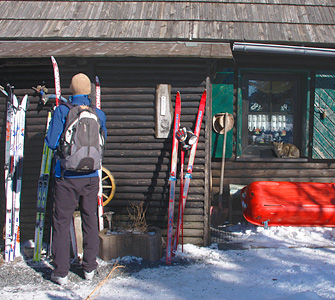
x: 57, y: 80
x: 173, y: 178
x: 19, y: 151
x: 8, y: 181
x: 9, y: 247
x: 180, y: 207
x: 14, y: 146
x: 2, y: 89
x: 58, y: 99
x: 188, y: 175
x: 100, y: 198
x: 42, y: 194
x: 44, y: 178
x: 73, y: 239
x: 9, y: 170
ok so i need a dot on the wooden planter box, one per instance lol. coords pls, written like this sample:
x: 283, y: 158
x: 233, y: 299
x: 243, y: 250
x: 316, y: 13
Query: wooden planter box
x: 145, y: 245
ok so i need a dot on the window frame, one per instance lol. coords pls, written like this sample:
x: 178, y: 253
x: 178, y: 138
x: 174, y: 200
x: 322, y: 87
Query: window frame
x: 301, y: 117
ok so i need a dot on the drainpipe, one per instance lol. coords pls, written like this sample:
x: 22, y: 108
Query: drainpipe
x: 282, y: 49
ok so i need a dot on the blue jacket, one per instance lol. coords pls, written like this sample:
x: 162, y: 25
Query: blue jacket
x: 56, y: 128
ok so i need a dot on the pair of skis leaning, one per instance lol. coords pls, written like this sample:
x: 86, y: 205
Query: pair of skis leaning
x: 15, y: 129
x: 172, y: 243
x: 44, y: 178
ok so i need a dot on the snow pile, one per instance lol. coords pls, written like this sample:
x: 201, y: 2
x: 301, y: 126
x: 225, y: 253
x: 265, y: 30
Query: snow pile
x: 281, y: 237
x: 280, y: 263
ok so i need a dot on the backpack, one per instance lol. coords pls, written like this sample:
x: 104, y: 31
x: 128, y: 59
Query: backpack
x: 82, y: 141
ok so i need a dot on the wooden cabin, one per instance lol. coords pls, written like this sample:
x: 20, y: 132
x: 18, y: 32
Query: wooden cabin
x: 269, y: 63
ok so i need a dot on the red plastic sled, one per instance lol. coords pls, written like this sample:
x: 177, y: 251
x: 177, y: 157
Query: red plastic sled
x: 273, y: 203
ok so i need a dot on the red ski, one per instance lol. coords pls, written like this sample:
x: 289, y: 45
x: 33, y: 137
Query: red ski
x: 274, y: 203
x: 100, y: 199
x: 173, y: 178
x: 188, y: 175
x: 57, y: 80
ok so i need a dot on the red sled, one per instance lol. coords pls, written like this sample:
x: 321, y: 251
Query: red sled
x: 275, y: 203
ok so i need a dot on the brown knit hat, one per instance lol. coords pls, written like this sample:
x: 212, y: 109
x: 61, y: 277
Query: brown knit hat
x: 80, y: 85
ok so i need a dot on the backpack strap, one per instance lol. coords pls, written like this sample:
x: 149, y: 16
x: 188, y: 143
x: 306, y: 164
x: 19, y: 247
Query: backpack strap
x: 67, y: 104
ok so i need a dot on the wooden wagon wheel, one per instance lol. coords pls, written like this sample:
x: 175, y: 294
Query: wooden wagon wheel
x: 108, y: 186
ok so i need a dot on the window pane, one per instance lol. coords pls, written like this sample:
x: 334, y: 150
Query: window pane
x: 259, y: 96
x: 282, y: 96
x: 271, y: 111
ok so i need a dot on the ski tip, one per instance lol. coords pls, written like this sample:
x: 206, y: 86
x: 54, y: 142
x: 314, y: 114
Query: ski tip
x: 2, y: 89
x: 178, y: 96
x: 24, y: 103
x: 204, y: 96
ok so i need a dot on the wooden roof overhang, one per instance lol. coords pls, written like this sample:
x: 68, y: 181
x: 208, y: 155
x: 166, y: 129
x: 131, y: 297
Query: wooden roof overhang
x: 92, y: 48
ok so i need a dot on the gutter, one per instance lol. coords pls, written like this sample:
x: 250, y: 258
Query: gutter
x: 282, y: 49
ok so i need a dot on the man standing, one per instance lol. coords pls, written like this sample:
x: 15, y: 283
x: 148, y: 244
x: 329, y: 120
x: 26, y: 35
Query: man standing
x: 73, y: 188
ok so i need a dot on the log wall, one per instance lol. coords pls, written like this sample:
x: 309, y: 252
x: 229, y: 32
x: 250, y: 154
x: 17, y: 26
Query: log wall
x: 139, y: 162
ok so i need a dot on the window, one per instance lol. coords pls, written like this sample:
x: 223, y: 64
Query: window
x: 271, y: 112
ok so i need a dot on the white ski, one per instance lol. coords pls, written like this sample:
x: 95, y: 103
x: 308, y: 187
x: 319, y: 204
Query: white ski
x: 15, y: 129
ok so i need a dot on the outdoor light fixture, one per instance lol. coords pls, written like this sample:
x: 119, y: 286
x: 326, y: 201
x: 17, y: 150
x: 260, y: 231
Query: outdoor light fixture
x: 186, y: 137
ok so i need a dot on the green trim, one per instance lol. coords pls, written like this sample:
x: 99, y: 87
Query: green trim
x: 306, y: 94
x: 239, y: 116
x: 222, y: 101
x: 323, y: 126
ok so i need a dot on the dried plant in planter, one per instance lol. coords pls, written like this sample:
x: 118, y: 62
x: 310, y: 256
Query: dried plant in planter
x: 136, y: 214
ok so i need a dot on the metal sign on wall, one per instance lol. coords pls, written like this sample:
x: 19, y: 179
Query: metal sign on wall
x: 163, y: 110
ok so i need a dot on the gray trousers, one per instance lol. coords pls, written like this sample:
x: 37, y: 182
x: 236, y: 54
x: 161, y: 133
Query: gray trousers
x: 69, y: 192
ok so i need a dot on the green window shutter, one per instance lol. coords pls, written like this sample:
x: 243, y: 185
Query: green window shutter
x: 222, y: 102
x: 323, y: 146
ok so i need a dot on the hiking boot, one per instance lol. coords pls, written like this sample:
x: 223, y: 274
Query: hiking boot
x: 59, y: 280
x: 89, y: 275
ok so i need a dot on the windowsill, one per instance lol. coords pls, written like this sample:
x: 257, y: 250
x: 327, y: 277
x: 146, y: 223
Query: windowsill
x: 265, y: 153
x: 272, y: 159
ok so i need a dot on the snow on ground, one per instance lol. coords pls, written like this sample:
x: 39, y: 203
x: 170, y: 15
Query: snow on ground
x: 283, y: 263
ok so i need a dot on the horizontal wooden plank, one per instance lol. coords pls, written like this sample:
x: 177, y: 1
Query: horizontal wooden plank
x: 283, y: 173
x: 150, y: 175
x: 105, y: 48
x: 146, y: 196
x: 192, y: 240
x: 141, y: 153
x: 246, y: 181
x: 272, y: 165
